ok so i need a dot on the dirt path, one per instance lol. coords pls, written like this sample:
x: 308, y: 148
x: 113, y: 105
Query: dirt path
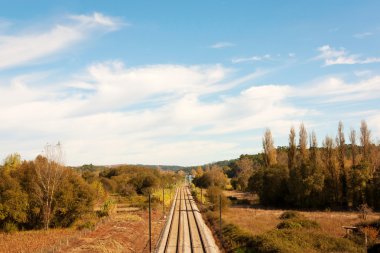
x: 124, y: 232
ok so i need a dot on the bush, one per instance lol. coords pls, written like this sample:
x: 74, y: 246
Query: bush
x: 86, y: 225
x: 213, y: 194
x: 106, y: 208
x: 297, y: 223
x: 86, y: 221
x: 10, y: 227
x: 291, y: 215
x: 374, y: 224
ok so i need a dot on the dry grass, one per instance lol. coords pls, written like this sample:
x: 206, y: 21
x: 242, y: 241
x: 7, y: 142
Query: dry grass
x: 32, y: 241
x: 107, y: 245
x: 258, y: 221
x: 253, y: 198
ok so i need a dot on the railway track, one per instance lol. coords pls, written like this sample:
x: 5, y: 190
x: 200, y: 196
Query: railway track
x: 185, y: 230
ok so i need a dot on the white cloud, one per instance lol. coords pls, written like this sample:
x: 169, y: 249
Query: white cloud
x: 20, y: 49
x: 334, y: 89
x: 362, y: 35
x: 158, y: 114
x: 98, y: 19
x: 251, y: 59
x: 151, y: 114
x: 332, y: 56
x: 220, y: 45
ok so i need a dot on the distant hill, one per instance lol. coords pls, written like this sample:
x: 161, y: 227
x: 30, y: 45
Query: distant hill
x: 91, y: 167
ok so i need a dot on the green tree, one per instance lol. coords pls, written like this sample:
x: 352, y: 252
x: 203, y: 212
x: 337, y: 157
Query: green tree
x: 331, y: 181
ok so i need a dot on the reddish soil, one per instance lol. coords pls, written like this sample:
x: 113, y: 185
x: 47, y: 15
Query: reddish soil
x: 124, y: 232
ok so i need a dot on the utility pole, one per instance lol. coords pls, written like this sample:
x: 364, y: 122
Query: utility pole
x: 201, y: 196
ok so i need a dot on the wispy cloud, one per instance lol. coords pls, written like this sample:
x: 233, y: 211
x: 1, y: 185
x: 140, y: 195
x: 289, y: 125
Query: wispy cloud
x: 158, y: 113
x: 251, y: 59
x: 220, y: 45
x: 363, y: 35
x: 332, y: 56
x: 152, y: 107
x: 336, y: 90
x: 21, y: 49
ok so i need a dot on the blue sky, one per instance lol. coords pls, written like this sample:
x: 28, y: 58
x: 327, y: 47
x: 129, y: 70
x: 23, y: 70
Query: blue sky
x: 182, y: 82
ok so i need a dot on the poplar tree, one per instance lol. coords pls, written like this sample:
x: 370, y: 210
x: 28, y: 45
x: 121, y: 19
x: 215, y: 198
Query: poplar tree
x: 354, y: 151
x: 270, y: 153
x: 341, y: 148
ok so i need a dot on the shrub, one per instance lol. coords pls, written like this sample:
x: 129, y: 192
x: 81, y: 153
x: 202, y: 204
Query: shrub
x: 213, y: 194
x: 10, y: 227
x: 297, y: 223
x: 372, y: 234
x: 86, y: 225
x: 374, y: 224
x: 86, y: 221
x: 291, y: 215
x: 106, y: 208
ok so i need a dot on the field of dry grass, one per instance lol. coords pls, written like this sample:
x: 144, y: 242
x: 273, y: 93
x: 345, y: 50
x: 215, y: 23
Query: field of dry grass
x: 124, y: 231
x: 31, y: 241
x: 258, y: 220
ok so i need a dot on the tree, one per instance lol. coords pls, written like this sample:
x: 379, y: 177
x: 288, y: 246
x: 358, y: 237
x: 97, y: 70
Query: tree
x: 303, y: 144
x: 13, y: 201
x: 273, y: 188
x: 12, y: 162
x: 313, y: 150
x: 329, y: 160
x: 292, y: 149
x: 245, y: 170
x: 365, y: 140
x: 49, y: 171
x: 341, y: 146
x: 314, y: 180
x: 213, y: 177
x: 353, y: 147
x: 73, y: 198
x: 295, y: 184
x: 270, y: 153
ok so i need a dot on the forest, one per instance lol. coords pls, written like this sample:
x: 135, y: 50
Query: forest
x: 43, y: 193
x: 339, y: 174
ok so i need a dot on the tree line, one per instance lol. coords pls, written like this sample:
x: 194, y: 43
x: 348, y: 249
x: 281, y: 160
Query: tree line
x: 337, y: 174
x: 43, y: 193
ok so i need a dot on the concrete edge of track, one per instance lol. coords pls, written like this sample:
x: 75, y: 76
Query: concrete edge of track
x: 165, y: 232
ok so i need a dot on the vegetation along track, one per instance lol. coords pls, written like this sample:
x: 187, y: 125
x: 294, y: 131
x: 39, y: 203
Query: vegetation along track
x: 185, y: 230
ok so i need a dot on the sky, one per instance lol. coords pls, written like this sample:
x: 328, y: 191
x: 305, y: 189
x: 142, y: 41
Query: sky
x: 182, y: 82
